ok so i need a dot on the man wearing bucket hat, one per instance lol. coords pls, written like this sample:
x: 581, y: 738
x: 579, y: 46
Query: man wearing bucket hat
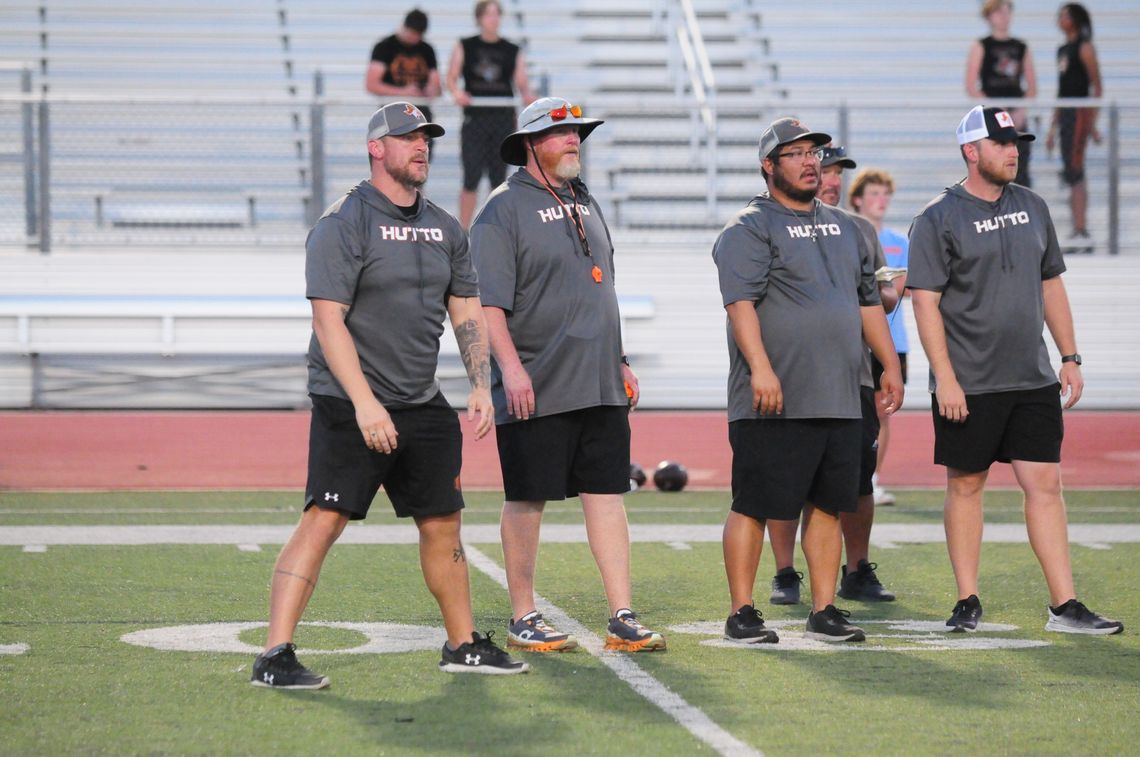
x: 797, y: 280
x: 383, y: 267
x: 985, y: 277
x: 560, y: 382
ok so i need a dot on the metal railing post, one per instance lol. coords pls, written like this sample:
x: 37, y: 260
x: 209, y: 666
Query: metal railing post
x: 1113, y: 179
x: 30, y: 221
x: 45, y: 180
x: 317, y: 150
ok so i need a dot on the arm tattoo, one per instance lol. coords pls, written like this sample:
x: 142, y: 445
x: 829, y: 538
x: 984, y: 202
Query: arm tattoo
x: 458, y: 555
x: 309, y: 581
x: 474, y: 353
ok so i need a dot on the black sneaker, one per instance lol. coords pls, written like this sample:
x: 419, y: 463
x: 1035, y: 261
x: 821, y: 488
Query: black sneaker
x: 786, y: 587
x: 966, y: 616
x: 480, y: 655
x: 1074, y: 617
x: 830, y: 624
x: 746, y: 625
x: 863, y: 584
x: 278, y: 669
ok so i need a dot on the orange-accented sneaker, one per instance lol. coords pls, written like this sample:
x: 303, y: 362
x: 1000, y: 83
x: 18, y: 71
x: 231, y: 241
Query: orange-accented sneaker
x: 626, y: 634
x: 532, y: 633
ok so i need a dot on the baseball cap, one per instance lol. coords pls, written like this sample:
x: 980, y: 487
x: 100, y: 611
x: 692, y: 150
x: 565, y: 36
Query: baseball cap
x: 544, y: 114
x: 836, y: 156
x: 989, y: 123
x: 399, y: 118
x: 785, y: 130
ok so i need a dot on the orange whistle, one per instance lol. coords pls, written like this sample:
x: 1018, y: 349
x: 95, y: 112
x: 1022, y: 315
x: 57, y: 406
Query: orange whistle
x: 628, y: 390
x: 597, y: 274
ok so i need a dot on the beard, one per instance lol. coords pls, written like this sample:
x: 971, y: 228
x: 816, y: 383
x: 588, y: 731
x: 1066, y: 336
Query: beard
x: 829, y: 196
x: 994, y: 177
x: 568, y: 169
x: 793, y: 192
x: 404, y: 176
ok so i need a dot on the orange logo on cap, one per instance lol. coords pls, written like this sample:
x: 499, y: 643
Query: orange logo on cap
x: 797, y: 124
x: 411, y: 110
x: 1003, y: 119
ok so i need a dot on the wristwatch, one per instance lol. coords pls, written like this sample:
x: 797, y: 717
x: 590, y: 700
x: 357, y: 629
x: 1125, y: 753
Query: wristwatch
x: 1074, y: 358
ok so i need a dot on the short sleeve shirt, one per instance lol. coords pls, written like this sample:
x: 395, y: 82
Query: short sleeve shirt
x: 396, y: 275
x: 896, y: 249
x: 807, y: 274
x: 988, y: 260
x: 405, y: 64
x: 564, y: 323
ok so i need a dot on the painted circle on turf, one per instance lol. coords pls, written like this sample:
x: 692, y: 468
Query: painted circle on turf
x: 14, y: 649
x: 383, y: 638
x: 901, y: 636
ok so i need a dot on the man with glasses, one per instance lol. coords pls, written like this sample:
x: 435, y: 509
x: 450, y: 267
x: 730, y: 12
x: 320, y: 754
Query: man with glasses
x: 858, y: 579
x: 985, y: 277
x: 797, y: 279
x: 383, y: 267
x: 561, y: 384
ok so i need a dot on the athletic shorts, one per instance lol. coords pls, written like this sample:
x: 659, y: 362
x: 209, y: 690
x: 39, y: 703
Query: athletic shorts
x: 778, y: 465
x: 1002, y: 426
x: 421, y: 476
x: 877, y: 370
x: 869, y: 456
x: 484, y: 129
x: 559, y: 456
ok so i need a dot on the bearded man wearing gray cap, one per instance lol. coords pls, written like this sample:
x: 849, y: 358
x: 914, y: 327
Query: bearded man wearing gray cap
x: 985, y: 277
x: 561, y: 384
x: 383, y: 267
x: 797, y: 280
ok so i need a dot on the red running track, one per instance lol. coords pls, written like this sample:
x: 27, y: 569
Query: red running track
x: 267, y: 450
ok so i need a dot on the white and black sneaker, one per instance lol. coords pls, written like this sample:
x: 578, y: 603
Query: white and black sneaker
x: 278, y: 669
x: 830, y: 624
x: 746, y: 626
x: 480, y: 655
x: 1074, y: 617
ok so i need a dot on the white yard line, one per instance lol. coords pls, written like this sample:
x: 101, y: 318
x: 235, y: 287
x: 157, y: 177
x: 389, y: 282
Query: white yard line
x: 622, y: 665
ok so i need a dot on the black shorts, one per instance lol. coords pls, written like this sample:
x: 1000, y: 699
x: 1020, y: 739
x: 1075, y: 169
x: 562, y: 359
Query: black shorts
x: 778, y: 465
x: 869, y: 452
x: 877, y: 370
x: 421, y: 476
x: 554, y: 457
x: 484, y: 129
x: 1002, y: 426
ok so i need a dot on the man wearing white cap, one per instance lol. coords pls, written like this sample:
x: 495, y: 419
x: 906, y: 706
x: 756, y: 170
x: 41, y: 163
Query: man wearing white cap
x: 985, y: 276
x: 383, y: 267
x: 561, y: 384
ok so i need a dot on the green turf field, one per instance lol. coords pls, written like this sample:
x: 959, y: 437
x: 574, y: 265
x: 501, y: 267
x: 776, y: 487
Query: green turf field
x: 70, y: 684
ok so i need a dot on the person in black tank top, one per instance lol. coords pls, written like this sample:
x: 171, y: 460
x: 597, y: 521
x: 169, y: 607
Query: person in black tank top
x: 1001, y: 67
x: 1078, y: 76
x: 491, y: 67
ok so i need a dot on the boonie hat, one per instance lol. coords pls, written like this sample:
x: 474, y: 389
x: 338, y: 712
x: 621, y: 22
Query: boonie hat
x: 544, y: 114
x: 836, y: 156
x: 785, y: 130
x: 989, y: 123
x: 398, y: 118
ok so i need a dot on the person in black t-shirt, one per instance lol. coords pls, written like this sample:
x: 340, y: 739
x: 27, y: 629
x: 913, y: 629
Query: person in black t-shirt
x: 1001, y: 67
x: 404, y: 66
x: 491, y: 67
x: 1078, y: 76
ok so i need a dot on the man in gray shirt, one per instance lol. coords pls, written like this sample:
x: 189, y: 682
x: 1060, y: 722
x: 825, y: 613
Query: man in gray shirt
x: 985, y: 276
x: 798, y: 283
x: 383, y: 267
x: 561, y: 385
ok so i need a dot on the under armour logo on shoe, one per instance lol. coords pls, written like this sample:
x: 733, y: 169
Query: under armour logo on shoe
x: 268, y: 678
x: 330, y: 497
x: 472, y: 659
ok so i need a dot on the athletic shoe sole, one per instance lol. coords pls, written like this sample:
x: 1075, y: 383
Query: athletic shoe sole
x: 860, y: 597
x: 768, y: 638
x: 856, y: 636
x: 961, y: 629
x: 455, y: 667
x: 652, y: 643
x: 780, y: 601
x: 562, y: 645
x: 298, y: 686
x: 1058, y: 628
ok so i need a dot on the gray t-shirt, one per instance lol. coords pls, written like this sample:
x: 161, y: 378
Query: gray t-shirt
x: 564, y: 324
x: 878, y: 260
x: 988, y: 260
x: 808, y: 274
x: 396, y: 274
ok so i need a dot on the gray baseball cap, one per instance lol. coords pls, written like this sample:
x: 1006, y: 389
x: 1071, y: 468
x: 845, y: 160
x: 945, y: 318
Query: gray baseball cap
x: 836, y: 156
x: 398, y: 118
x: 785, y: 130
x: 544, y: 114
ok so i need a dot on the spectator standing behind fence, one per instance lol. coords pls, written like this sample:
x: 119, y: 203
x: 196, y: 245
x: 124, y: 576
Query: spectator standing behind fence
x: 405, y: 66
x: 870, y: 196
x: 1078, y: 76
x: 491, y: 67
x: 1001, y: 67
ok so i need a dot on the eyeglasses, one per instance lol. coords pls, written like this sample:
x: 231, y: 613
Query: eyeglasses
x: 561, y: 113
x: 799, y: 156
